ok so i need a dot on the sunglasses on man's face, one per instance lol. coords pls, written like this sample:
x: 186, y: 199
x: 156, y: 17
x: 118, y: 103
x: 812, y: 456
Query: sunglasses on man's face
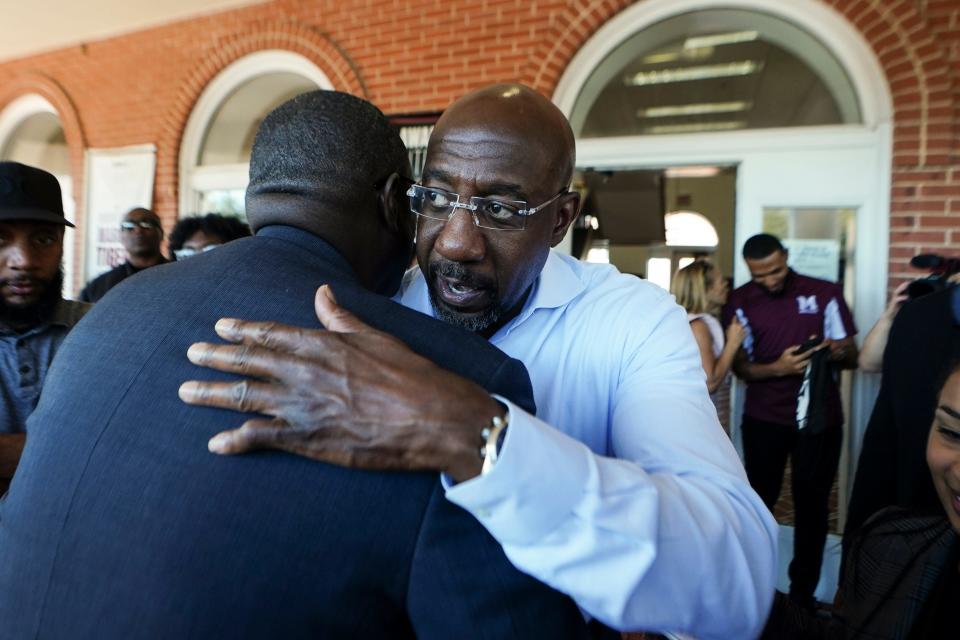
x: 129, y: 225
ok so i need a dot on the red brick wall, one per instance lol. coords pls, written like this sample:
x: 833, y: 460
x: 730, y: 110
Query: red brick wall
x: 140, y: 88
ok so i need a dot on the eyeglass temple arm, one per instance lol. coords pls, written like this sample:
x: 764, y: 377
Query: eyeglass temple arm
x: 530, y: 212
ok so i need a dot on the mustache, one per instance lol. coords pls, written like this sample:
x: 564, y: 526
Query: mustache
x: 22, y: 280
x: 456, y: 271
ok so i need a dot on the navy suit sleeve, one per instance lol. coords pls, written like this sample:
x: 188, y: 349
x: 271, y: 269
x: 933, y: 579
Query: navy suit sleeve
x: 460, y: 576
x: 513, y: 383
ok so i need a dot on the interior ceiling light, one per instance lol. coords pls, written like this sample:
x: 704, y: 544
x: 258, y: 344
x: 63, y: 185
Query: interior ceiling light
x: 687, y: 74
x: 659, y: 58
x: 719, y: 39
x: 696, y: 127
x: 700, y: 53
x: 692, y: 172
x: 697, y: 109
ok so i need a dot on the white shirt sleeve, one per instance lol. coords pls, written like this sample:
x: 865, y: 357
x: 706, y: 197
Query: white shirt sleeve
x: 667, y: 536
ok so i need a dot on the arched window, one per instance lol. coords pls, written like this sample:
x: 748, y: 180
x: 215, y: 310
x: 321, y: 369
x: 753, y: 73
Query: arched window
x: 215, y: 151
x: 715, y: 70
x: 31, y: 133
x: 690, y: 229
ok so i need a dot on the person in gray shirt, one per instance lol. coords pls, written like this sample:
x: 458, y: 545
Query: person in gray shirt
x: 34, y: 317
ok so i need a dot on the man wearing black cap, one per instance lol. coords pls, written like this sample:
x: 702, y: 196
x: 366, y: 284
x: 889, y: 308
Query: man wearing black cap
x: 34, y: 318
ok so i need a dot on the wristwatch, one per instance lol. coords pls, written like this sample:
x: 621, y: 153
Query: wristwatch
x: 493, y: 436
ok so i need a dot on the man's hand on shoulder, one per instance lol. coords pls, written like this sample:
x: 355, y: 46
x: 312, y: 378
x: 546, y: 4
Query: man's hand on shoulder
x: 350, y: 395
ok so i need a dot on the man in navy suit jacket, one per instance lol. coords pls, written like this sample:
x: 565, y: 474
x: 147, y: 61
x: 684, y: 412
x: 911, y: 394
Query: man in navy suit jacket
x: 120, y: 524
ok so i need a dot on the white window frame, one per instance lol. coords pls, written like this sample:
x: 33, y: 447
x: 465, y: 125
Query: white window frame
x: 14, y: 115
x: 194, y: 178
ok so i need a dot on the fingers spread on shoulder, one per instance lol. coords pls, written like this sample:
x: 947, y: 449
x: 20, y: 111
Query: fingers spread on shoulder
x: 260, y: 362
x: 269, y: 335
x: 259, y: 433
x: 242, y: 395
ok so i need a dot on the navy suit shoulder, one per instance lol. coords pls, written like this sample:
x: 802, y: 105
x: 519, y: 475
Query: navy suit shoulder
x: 119, y: 523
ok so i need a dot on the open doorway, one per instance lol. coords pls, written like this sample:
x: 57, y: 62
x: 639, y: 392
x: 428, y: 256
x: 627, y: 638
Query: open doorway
x: 652, y: 222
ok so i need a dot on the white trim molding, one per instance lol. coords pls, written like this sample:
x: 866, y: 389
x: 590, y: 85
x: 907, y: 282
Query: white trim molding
x: 216, y: 92
x: 19, y: 110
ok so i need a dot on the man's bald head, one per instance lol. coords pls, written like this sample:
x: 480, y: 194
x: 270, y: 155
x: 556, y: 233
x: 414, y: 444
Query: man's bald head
x: 509, y: 145
x: 518, y: 112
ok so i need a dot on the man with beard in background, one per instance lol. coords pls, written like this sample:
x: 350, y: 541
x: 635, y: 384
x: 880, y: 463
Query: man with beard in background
x: 34, y: 317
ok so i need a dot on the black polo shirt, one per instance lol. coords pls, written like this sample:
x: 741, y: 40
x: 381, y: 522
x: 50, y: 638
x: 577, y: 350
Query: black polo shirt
x: 98, y: 287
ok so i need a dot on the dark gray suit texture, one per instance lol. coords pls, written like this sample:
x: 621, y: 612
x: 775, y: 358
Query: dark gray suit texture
x: 120, y: 524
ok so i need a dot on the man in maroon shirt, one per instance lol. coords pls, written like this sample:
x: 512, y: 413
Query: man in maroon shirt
x: 792, y: 404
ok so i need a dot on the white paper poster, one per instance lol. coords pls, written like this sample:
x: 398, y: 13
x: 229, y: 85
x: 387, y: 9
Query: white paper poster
x: 815, y: 258
x: 117, y: 180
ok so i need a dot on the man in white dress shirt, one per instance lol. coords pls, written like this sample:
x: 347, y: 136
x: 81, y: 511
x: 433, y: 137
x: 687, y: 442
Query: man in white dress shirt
x: 623, y: 491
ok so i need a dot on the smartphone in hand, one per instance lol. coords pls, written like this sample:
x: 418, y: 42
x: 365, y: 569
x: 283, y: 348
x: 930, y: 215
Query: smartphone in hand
x: 807, y: 344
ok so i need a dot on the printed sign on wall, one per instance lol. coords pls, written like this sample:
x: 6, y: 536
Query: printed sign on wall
x: 815, y: 258
x: 117, y: 180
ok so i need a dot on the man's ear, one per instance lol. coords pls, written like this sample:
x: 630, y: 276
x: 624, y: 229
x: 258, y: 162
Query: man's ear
x: 393, y: 206
x: 388, y: 201
x: 568, y: 207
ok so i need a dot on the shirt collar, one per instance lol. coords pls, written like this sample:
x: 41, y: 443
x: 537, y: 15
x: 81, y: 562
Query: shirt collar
x: 62, y: 316
x: 788, y: 284
x: 557, y: 284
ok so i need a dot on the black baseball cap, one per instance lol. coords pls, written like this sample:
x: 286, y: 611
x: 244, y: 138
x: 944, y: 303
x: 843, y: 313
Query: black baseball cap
x: 29, y: 194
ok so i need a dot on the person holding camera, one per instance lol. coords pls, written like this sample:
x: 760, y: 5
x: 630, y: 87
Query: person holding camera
x: 800, y: 333
x: 924, y: 338
x: 871, y: 353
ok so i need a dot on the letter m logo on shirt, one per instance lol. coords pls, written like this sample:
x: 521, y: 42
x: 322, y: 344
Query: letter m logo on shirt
x: 807, y: 304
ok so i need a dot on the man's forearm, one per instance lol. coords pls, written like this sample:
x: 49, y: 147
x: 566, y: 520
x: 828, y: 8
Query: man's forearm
x: 870, y: 357
x: 11, y: 446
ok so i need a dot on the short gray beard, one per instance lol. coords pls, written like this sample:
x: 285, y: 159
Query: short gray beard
x: 474, y: 322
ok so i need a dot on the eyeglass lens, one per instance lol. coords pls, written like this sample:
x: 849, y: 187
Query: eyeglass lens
x: 489, y: 213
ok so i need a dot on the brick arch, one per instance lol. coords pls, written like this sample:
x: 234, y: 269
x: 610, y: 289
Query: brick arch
x: 915, y: 64
x: 287, y: 35
x: 918, y: 74
x: 571, y: 29
x: 56, y: 95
